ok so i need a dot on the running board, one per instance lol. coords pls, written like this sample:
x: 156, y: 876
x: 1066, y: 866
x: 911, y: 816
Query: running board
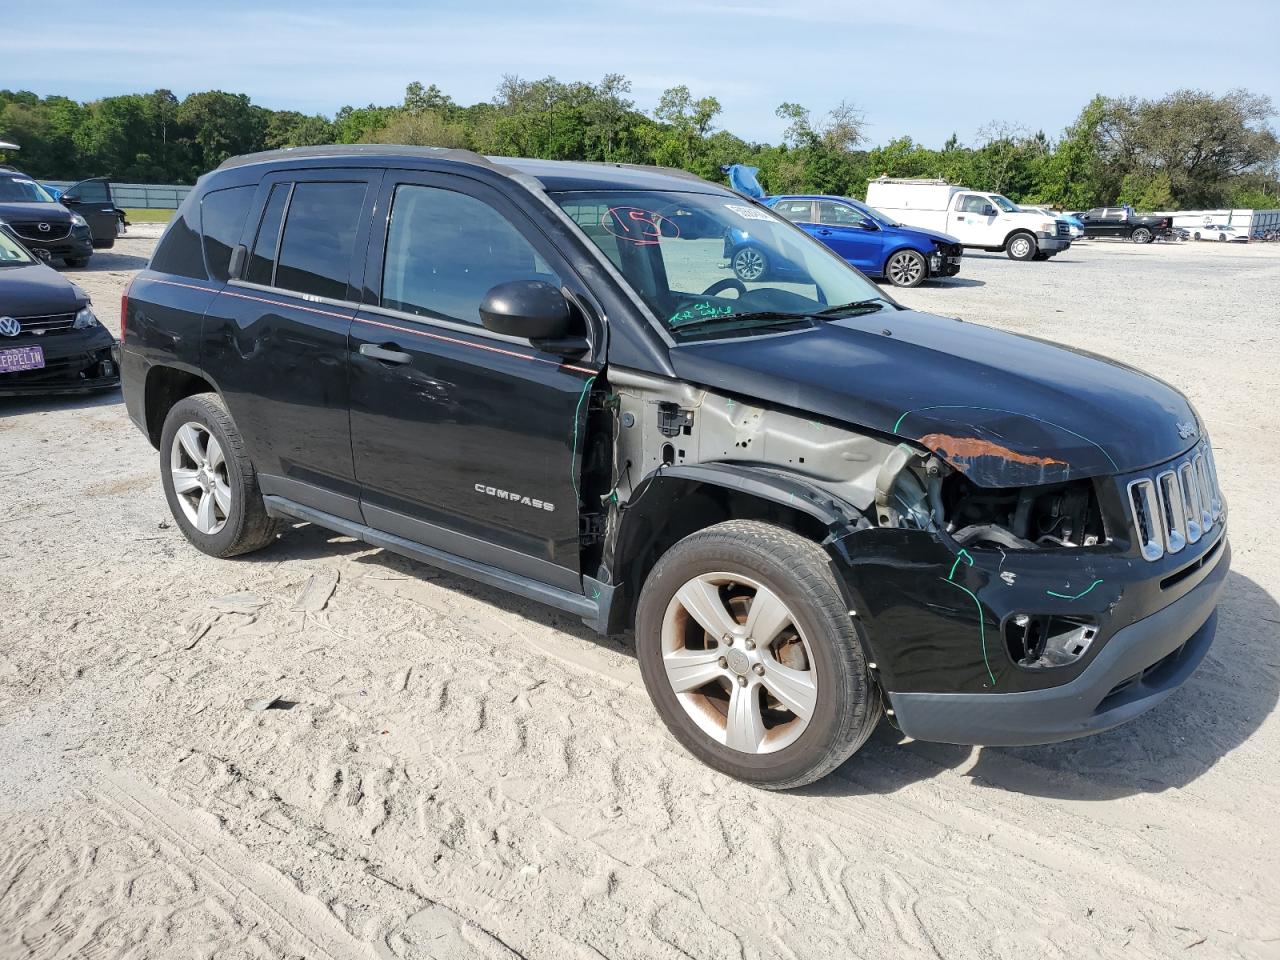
x: 593, y: 612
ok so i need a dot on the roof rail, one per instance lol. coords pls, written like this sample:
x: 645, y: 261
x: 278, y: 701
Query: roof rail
x: 358, y: 149
x: 936, y: 182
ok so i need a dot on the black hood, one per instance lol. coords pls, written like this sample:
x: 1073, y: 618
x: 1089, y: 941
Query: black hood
x: 26, y: 211
x: 32, y: 290
x: 1005, y: 409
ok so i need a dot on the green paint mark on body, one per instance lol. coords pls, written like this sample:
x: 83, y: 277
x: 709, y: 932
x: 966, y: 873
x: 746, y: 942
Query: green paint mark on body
x: 1067, y: 596
x: 965, y: 557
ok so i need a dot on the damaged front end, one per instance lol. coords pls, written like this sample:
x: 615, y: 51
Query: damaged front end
x: 973, y: 571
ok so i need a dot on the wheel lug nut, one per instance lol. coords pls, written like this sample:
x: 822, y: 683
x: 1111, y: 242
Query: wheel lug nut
x: 724, y: 664
x: 742, y: 681
x: 759, y: 669
x: 751, y: 644
x: 727, y: 640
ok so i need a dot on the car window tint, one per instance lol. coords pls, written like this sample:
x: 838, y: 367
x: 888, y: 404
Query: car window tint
x: 446, y: 250
x: 179, y: 251
x: 319, y: 237
x: 797, y: 211
x: 838, y: 214
x: 973, y: 204
x: 92, y: 191
x: 222, y: 216
x: 262, y: 261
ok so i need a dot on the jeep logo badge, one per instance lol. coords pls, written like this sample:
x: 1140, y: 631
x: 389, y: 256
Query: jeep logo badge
x: 1186, y: 431
x: 9, y: 327
x: 42, y: 227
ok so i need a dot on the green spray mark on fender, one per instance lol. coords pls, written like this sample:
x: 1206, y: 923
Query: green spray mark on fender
x: 964, y: 557
x: 1066, y: 596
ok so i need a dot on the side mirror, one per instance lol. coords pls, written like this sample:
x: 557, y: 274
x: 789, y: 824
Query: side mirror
x: 69, y: 198
x: 869, y: 225
x: 988, y: 210
x: 530, y: 309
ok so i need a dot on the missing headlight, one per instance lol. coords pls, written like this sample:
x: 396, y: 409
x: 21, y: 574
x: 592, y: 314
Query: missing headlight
x: 1043, y: 641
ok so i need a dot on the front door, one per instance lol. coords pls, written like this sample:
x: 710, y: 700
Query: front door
x: 92, y: 200
x: 973, y: 221
x: 851, y: 234
x: 464, y: 440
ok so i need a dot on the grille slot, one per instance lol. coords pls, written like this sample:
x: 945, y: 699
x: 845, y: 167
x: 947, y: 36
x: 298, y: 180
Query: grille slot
x: 1177, y: 506
x: 47, y: 323
x: 1190, y: 501
x: 1142, y: 497
x: 1175, y: 521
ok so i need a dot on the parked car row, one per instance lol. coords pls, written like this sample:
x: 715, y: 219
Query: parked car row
x: 67, y: 227
x: 815, y: 507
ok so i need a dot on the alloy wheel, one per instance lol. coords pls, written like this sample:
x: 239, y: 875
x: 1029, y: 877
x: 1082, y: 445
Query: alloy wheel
x: 198, y: 470
x: 748, y: 264
x: 1021, y: 247
x: 738, y: 662
x: 905, y: 270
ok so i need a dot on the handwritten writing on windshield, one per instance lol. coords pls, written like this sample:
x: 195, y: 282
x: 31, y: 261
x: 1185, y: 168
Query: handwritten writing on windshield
x: 638, y: 225
x: 699, y: 311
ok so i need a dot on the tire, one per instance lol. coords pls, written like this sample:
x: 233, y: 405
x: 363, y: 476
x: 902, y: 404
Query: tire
x: 1141, y: 235
x: 906, y: 268
x: 244, y: 525
x: 76, y: 261
x: 1196, y: 235
x: 1222, y: 238
x: 743, y: 560
x: 1021, y: 246
x: 749, y: 264
x: 103, y: 244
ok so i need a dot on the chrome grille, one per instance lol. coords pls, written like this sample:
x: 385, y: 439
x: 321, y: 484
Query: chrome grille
x: 47, y: 323
x: 30, y: 230
x: 1177, y: 506
x: 1063, y: 228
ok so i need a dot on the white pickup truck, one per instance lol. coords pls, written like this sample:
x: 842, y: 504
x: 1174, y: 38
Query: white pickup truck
x: 976, y: 218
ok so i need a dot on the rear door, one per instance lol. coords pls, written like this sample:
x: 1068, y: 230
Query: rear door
x: 851, y: 234
x: 276, y: 338
x: 465, y: 440
x: 92, y: 200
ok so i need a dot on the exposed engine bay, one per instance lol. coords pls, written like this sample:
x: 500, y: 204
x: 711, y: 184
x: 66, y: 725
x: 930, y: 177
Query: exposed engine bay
x: 662, y: 423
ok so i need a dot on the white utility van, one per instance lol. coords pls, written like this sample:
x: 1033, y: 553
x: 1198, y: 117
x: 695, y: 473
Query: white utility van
x: 987, y: 221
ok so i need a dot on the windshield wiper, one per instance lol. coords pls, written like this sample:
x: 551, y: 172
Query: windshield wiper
x: 731, y: 321
x: 856, y: 306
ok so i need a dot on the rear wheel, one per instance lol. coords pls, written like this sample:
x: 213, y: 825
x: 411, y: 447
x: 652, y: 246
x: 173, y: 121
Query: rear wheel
x: 1141, y: 235
x: 906, y: 268
x: 1222, y: 237
x: 209, y: 481
x: 750, y: 656
x: 1021, y: 246
x: 76, y: 261
x: 749, y: 263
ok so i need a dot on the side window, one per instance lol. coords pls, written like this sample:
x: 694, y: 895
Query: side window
x: 93, y: 191
x: 262, y: 261
x: 179, y: 252
x: 839, y: 214
x: 446, y: 250
x: 972, y: 203
x: 319, y: 237
x: 222, y: 216
x: 797, y: 211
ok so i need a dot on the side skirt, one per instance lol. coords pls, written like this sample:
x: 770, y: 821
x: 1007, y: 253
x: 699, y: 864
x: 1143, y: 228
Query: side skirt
x: 594, y: 612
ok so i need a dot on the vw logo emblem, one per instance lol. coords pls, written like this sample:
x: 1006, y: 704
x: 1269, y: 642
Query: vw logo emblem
x: 42, y: 227
x: 9, y: 327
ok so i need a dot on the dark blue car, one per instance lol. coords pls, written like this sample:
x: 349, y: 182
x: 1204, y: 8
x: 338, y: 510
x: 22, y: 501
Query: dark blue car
x: 876, y: 244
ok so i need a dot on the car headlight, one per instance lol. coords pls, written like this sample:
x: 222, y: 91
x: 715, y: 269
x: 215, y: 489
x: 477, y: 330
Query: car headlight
x: 78, y: 221
x: 86, y: 318
x: 1048, y: 227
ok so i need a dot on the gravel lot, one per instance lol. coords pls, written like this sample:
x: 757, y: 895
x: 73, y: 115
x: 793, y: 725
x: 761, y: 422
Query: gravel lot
x: 451, y: 772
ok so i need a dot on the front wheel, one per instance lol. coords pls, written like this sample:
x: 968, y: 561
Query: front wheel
x: 749, y: 263
x: 1021, y: 246
x: 209, y: 481
x: 748, y: 651
x: 1141, y: 235
x: 906, y: 268
x: 76, y: 261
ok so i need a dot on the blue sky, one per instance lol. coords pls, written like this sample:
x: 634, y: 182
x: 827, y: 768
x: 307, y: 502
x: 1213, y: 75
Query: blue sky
x: 923, y: 68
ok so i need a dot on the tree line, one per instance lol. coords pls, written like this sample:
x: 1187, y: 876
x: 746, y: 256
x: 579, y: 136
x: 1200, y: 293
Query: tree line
x: 1188, y: 149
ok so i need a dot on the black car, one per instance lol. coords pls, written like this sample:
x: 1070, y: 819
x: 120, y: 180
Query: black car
x: 1122, y: 223
x: 92, y: 200
x: 815, y: 507
x: 46, y: 227
x: 50, y: 339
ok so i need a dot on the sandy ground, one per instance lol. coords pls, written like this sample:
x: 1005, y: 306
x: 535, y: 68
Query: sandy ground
x: 450, y: 772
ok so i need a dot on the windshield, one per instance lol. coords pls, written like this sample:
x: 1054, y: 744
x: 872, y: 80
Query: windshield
x: 710, y: 265
x: 884, y: 218
x: 11, y: 251
x: 1004, y: 203
x: 20, y: 189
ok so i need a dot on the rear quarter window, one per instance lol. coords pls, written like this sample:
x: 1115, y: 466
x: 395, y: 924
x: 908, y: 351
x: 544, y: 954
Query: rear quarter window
x: 319, y: 238
x: 222, y: 217
x: 180, y: 252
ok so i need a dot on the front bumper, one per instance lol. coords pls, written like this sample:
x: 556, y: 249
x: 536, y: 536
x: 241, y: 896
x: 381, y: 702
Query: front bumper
x: 74, y: 363
x: 1139, y: 666
x: 76, y: 245
x: 1052, y: 245
x: 944, y: 264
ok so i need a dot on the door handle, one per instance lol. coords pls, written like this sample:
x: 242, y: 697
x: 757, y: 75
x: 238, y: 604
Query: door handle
x: 384, y: 354
x: 824, y: 233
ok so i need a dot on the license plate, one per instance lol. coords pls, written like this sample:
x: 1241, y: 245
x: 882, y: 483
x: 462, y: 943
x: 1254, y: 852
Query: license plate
x: 21, y: 358
x: 953, y: 260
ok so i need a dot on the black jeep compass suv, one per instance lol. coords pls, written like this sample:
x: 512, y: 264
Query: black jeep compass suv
x: 815, y: 507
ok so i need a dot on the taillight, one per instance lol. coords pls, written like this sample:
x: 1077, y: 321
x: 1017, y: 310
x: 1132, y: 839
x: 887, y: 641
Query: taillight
x: 124, y: 310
